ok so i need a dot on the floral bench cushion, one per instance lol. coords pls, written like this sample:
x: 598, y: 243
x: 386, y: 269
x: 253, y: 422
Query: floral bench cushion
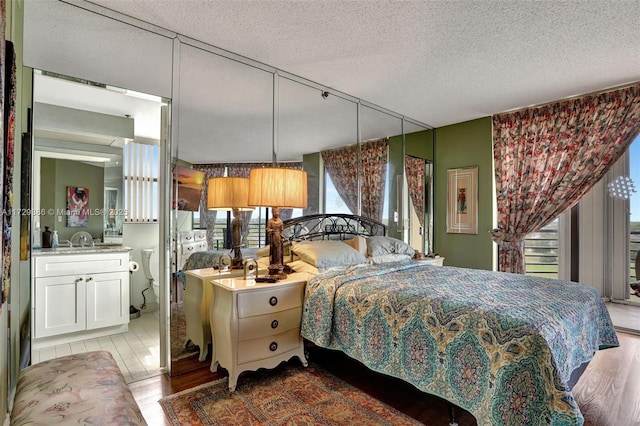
x: 86, y: 388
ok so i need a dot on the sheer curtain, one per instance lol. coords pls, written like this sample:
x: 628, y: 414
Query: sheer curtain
x: 547, y: 158
x: 342, y: 166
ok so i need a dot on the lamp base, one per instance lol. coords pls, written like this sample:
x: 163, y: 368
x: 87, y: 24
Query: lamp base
x: 278, y: 276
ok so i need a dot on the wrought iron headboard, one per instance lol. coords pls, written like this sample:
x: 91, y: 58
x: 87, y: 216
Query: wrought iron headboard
x: 326, y: 226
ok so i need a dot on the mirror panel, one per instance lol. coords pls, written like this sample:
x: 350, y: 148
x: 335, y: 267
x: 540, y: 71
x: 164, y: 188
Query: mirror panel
x: 376, y: 124
x: 225, y: 115
x: 226, y: 109
x: 419, y: 153
x: 311, y: 121
x: 76, y: 148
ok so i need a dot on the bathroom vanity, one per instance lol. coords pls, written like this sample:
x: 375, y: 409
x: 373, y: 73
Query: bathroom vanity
x: 79, y: 293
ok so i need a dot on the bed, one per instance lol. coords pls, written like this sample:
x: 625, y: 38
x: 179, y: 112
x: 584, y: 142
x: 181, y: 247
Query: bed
x: 507, y: 348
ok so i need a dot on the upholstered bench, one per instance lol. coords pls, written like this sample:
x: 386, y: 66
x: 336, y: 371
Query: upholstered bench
x: 86, y: 388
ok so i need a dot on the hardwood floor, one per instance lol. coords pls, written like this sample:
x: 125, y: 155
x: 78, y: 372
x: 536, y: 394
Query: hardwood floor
x: 608, y: 392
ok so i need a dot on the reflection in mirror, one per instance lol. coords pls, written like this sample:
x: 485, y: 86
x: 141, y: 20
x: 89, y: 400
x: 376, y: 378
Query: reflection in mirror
x: 226, y: 119
x: 79, y: 131
x: 419, y: 187
x: 380, y: 131
x: 309, y: 117
x: 76, y: 148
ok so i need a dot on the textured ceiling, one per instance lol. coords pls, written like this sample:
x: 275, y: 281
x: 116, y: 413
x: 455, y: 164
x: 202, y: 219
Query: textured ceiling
x: 439, y: 62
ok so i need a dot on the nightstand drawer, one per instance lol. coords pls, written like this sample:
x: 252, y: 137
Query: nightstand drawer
x: 267, y: 301
x: 268, y: 325
x: 267, y: 347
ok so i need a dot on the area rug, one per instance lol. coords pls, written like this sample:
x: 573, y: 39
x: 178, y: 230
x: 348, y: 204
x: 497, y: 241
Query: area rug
x: 287, y: 395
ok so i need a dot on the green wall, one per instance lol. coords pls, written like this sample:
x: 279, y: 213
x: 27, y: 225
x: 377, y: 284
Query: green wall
x: 56, y: 176
x: 465, y: 145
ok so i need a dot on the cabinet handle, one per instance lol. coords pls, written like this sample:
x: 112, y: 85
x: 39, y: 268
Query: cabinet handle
x: 78, y: 280
x: 274, y: 324
x: 273, y: 346
x: 89, y: 279
x: 273, y: 301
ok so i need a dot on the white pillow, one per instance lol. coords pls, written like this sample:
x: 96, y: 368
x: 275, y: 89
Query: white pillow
x: 379, y: 245
x: 389, y: 257
x: 328, y: 253
x: 263, y: 252
x: 359, y: 243
x: 302, y: 266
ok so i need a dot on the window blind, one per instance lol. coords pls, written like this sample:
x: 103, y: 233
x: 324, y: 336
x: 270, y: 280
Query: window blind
x: 141, y: 173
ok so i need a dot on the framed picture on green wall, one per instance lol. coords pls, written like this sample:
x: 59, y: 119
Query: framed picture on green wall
x: 462, y: 200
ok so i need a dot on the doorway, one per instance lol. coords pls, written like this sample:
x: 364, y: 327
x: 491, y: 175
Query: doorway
x: 61, y: 147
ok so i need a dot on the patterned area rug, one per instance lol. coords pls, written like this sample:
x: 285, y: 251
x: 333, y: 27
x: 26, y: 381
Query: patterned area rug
x: 287, y: 395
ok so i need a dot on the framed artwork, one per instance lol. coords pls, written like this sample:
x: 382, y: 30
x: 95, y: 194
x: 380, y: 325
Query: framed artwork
x: 462, y: 200
x: 77, y: 207
x: 187, y: 188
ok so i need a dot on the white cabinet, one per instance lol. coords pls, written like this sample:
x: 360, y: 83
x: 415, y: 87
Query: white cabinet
x: 256, y: 325
x: 78, y: 292
x: 188, y: 242
x: 198, y: 296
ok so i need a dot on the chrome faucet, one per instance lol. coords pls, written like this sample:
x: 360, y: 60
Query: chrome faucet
x: 68, y: 242
x: 83, y: 241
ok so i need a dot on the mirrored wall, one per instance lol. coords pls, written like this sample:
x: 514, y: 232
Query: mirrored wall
x: 234, y: 111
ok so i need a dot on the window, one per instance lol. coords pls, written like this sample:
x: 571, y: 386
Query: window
x: 141, y: 170
x: 333, y: 201
x: 541, y: 251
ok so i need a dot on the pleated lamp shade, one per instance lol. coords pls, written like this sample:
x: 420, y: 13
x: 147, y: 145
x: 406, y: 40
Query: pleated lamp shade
x: 226, y: 193
x: 278, y: 187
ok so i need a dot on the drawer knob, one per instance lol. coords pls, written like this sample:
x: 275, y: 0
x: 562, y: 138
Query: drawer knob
x: 274, y: 324
x: 273, y: 301
x: 78, y: 280
x: 273, y: 346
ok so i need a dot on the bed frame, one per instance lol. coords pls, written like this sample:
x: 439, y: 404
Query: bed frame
x: 327, y: 226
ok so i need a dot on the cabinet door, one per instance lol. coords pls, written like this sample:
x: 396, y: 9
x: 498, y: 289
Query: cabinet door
x: 107, y: 299
x: 59, y: 305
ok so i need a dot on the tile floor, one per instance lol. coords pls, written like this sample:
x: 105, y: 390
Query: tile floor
x: 625, y: 317
x: 136, y: 352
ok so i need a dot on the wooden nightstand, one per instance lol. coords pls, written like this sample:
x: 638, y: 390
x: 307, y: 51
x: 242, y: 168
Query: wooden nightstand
x: 437, y: 261
x: 197, y: 300
x: 256, y: 325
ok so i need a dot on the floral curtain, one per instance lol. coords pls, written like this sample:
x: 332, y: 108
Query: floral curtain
x: 373, y: 157
x: 208, y: 217
x: 342, y: 166
x: 414, y: 168
x: 547, y: 158
x: 242, y: 170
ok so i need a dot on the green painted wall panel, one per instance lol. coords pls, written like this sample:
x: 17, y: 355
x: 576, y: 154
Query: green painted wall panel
x: 465, y: 145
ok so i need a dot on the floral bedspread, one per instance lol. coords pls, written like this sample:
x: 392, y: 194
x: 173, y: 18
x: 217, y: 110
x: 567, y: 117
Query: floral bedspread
x: 499, y: 345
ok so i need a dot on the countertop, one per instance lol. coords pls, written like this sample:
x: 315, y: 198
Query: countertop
x: 80, y: 250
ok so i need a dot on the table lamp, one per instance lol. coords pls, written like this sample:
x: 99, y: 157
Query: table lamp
x: 230, y: 193
x: 277, y: 188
